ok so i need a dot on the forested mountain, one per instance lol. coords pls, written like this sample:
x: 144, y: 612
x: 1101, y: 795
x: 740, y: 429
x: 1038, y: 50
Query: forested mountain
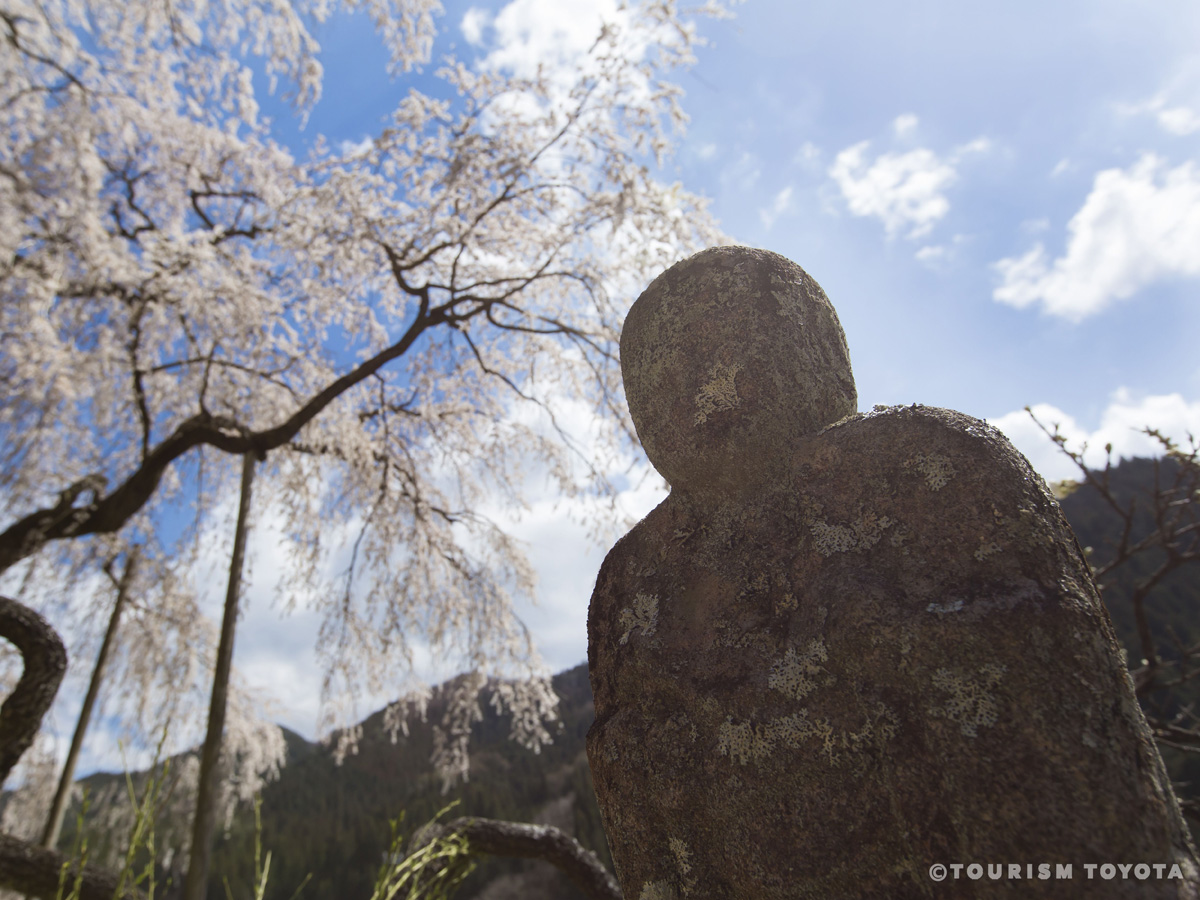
x: 330, y: 823
x: 1172, y: 608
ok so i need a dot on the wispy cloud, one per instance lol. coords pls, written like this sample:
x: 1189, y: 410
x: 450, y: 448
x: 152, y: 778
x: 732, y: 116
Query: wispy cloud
x: 1178, y: 119
x: 780, y: 205
x: 808, y: 156
x: 1136, y: 227
x: 932, y: 255
x: 742, y: 174
x: 904, y: 125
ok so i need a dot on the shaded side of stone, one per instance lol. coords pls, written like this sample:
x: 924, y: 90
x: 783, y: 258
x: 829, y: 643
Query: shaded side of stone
x: 896, y: 657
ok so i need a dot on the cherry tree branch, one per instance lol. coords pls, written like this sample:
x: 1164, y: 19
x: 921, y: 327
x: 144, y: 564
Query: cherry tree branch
x: 106, y: 514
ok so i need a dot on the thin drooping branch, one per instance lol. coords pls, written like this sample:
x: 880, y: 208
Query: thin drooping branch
x: 523, y: 841
x: 45, y: 660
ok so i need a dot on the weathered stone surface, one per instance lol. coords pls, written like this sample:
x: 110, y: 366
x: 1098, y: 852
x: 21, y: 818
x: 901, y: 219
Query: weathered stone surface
x: 838, y: 654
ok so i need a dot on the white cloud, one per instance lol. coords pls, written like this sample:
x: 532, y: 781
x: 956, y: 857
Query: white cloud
x: 707, y: 151
x: 1061, y: 166
x: 904, y: 125
x: 1121, y: 425
x: 904, y: 191
x: 474, y: 22
x: 551, y: 43
x: 1136, y: 227
x: 352, y: 149
x: 557, y: 35
x: 781, y: 205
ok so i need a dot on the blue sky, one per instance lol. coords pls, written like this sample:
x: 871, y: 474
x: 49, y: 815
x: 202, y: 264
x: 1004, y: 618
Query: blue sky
x: 913, y: 158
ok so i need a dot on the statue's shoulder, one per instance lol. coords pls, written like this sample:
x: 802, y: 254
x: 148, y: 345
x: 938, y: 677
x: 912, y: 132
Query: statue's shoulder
x: 642, y: 550
x: 933, y: 445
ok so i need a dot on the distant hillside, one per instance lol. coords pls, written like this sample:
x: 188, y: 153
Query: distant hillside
x: 332, y: 821
x: 1172, y: 608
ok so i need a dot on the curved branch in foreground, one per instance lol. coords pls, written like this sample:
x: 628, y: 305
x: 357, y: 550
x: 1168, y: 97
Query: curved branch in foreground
x: 34, y: 871
x: 45, y: 660
x: 26, y: 867
x: 543, y: 842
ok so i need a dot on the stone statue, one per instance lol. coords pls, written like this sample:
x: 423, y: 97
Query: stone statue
x: 850, y: 648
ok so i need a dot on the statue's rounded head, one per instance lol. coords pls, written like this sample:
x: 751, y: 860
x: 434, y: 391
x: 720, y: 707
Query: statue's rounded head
x: 729, y: 357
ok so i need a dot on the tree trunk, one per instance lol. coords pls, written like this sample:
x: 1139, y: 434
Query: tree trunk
x: 58, y: 807
x: 206, y: 791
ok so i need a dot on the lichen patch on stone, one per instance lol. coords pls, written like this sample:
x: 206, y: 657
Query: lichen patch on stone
x: 786, y: 603
x: 972, y: 703
x: 899, y: 537
x: 643, y: 615
x: 880, y: 727
x: 792, y: 730
x: 795, y: 674
x: 987, y: 548
x: 682, y: 863
x: 862, y: 534
x: 719, y: 393
x: 937, y: 469
x: 831, y: 539
x: 743, y: 742
x: 658, y: 890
